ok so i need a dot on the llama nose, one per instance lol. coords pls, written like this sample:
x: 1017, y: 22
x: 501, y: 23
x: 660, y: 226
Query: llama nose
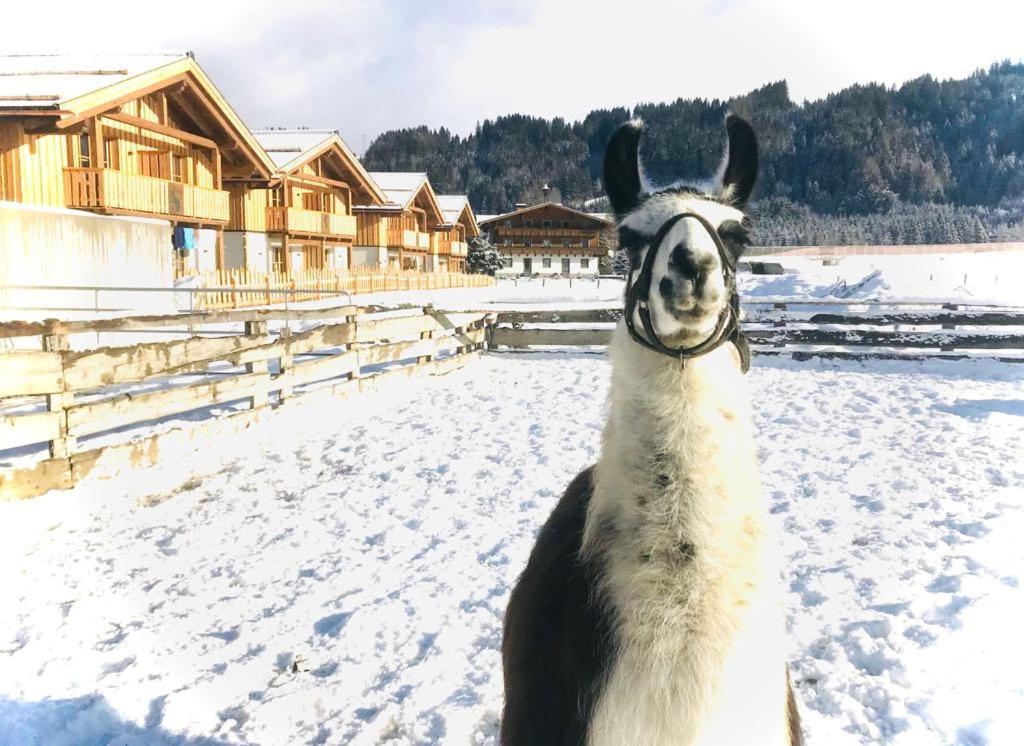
x: 683, y: 261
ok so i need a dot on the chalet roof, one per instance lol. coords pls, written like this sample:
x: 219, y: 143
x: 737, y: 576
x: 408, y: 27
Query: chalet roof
x: 75, y: 87
x: 403, y: 187
x: 400, y: 187
x: 596, y: 217
x: 453, y: 207
x: 289, y: 149
x: 45, y: 81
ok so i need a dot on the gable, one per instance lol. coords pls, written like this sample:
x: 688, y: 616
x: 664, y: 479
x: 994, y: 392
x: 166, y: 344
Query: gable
x: 153, y: 91
x: 556, y: 214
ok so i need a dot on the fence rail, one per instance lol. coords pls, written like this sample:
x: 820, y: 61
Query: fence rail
x: 58, y: 397
x: 854, y: 329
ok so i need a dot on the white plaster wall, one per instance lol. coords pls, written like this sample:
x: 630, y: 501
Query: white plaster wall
x: 56, y: 246
x: 576, y: 268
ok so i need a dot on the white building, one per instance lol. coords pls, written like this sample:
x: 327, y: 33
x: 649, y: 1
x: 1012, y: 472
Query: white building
x: 547, y: 239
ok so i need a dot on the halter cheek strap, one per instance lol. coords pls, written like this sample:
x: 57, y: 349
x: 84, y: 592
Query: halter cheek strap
x: 727, y: 328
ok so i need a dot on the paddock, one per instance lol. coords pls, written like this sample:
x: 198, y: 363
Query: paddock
x: 339, y: 570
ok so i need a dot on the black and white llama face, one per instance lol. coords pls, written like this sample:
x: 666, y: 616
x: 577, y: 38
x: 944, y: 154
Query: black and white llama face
x: 687, y: 288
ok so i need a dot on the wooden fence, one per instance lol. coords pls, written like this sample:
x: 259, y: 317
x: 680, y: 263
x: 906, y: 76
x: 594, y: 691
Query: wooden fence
x: 850, y: 330
x: 59, y: 397
x: 113, y: 396
x: 245, y: 287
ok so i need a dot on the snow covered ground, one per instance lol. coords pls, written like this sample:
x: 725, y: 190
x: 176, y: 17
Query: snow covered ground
x: 992, y: 277
x: 338, y: 573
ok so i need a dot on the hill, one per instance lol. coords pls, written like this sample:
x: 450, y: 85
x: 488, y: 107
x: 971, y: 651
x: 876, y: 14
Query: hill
x: 867, y: 150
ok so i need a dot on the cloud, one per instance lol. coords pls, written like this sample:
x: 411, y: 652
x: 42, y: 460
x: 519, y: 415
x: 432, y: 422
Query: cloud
x: 364, y: 67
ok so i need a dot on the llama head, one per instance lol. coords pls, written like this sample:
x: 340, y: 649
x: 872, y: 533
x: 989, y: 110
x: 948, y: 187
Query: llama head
x: 688, y: 286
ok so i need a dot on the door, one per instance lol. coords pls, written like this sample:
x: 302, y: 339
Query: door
x: 527, y: 266
x: 565, y: 265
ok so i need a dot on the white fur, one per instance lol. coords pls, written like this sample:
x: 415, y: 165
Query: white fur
x: 647, y: 220
x: 701, y: 637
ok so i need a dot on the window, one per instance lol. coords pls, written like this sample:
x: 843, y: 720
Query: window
x: 547, y: 242
x: 507, y: 261
x: 585, y: 243
x: 546, y: 262
x: 585, y: 263
x: 527, y: 223
x: 84, y: 150
x: 565, y: 242
x: 111, y: 154
x: 508, y: 241
x: 527, y: 243
x: 547, y: 223
x: 276, y: 197
x: 508, y: 223
x: 566, y: 224
x: 178, y: 167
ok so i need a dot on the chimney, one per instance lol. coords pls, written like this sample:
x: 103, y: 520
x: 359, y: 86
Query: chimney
x: 545, y: 190
x: 520, y: 205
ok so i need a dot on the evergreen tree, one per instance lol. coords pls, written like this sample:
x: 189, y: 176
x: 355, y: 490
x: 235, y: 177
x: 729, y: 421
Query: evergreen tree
x: 481, y: 257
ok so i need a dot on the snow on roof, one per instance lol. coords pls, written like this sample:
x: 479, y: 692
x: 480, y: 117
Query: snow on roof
x: 285, y: 145
x: 600, y: 217
x: 452, y: 205
x: 43, y: 81
x: 399, y: 186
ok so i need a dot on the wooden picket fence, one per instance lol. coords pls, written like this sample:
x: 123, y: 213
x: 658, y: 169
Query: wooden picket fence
x: 241, y: 288
x: 805, y: 329
x: 62, y: 397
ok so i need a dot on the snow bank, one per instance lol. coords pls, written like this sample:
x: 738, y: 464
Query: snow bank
x: 341, y: 574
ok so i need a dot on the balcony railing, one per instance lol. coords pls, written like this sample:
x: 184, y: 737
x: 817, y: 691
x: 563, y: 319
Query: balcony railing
x: 107, y: 189
x: 406, y: 239
x: 310, y: 222
x: 460, y: 248
x: 503, y: 230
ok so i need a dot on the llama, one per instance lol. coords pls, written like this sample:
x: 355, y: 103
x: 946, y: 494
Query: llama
x: 650, y: 610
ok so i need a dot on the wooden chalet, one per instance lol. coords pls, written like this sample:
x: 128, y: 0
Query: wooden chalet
x: 142, y: 135
x: 400, y: 233
x: 452, y: 237
x: 547, y: 239
x: 301, y: 218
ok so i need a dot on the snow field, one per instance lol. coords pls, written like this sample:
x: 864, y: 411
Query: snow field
x: 339, y: 573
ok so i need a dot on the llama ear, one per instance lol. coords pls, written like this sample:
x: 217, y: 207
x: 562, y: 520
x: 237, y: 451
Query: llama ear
x: 622, y: 167
x: 741, y: 164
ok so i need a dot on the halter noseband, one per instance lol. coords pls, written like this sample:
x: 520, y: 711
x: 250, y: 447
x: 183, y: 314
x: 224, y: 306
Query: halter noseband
x: 727, y: 329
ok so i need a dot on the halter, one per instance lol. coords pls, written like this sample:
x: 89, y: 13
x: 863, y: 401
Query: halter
x: 727, y: 329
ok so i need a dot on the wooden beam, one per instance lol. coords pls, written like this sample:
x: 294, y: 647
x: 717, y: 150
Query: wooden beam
x: 163, y: 129
x: 319, y: 180
x: 117, y: 102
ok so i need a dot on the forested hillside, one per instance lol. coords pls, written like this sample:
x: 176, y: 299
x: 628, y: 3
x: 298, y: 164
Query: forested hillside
x: 868, y: 150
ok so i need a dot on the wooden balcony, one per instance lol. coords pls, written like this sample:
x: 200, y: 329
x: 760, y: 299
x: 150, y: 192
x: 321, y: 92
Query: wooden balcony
x: 460, y: 248
x: 310, y: 222
x: 403, y: 238
x: 107, y: 190
x: 524, y: 232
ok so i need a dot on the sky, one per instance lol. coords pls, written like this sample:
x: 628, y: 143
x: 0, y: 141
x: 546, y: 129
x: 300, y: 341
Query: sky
x: 365, y: 67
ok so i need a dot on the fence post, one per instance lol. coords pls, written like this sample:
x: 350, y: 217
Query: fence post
x: 259, y: 397
x: 64, y: 445
x: 285, y: 364
x: 949, y: 307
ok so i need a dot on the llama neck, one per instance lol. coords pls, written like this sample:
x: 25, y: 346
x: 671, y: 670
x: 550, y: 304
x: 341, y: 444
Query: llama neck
x: 678, y: 463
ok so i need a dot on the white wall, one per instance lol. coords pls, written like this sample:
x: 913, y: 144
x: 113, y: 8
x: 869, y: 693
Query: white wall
x: 206, y: 249
x: 369, y: 256
x: 55, y: 246
x: 576, y: 267
x: 337, y: 256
